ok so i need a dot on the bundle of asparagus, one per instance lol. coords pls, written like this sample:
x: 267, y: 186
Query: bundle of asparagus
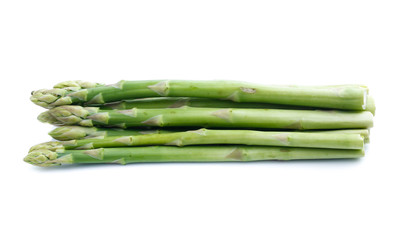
x: 201, y: 121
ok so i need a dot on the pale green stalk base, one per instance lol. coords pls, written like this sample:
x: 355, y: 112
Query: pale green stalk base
x: 370, y: 104
x: 365, y: 133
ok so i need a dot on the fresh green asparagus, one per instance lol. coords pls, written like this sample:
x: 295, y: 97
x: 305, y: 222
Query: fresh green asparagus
x: 174, y: 102
x: 177, y: 102
x: 66, y: 133
x: 210, y: 137
x: 208, y: 117
x: 348, y: 97
x: 47, y: 158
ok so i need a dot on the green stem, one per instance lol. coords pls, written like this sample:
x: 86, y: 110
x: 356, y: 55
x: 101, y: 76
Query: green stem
x: 66, y: 133
x: 211, y: 137
x: 350, y: 97
x: 210, y: 117
x: 47, y: 158
x: 177, y: 102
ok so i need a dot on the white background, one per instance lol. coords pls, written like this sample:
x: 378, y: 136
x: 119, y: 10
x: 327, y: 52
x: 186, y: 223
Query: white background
x: 272, y: 42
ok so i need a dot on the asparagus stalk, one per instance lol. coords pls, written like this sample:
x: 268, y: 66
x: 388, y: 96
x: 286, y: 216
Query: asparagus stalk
x: 47, y: 158
x: 350, y: 97
x: 66, y: 133
x: 177, y: 102
x: 210, y: 137
x: 209, y: 117
x: 174, y: 102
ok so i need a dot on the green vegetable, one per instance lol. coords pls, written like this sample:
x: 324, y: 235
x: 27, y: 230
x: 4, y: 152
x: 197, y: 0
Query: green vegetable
x: 66, y: 133
x: 206, y: 136
x: 177, y: 102
x: 208, y: 117
x: 350, y: 97
x: 47, y: 158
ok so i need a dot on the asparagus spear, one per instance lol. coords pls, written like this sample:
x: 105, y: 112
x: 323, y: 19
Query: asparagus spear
x: 66, y: 133
x: 209, y: 117
x: 206, y: 136
x: 47, y: 158
x: 177, y: 102
x: 351, y: 97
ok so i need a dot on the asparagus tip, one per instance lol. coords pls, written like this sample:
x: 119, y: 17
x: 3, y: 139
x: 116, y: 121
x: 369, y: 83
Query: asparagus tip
x: 46, y: 117
x: 71, y: 132
x: 49, y: 98
x: 51, y: 146
x: 76, y: 85
x: 42, y: 158
x: 65, y: 115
